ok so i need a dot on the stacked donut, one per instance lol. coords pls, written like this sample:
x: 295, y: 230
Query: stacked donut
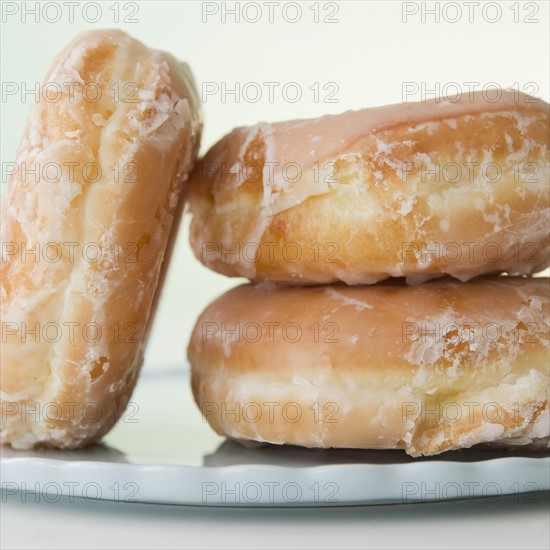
x: 342, y: 339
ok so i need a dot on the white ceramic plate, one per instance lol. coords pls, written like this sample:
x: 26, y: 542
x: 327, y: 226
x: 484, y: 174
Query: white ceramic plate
x: 163, y: 452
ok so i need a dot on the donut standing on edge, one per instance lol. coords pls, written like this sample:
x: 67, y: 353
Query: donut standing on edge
x: 123, y: 136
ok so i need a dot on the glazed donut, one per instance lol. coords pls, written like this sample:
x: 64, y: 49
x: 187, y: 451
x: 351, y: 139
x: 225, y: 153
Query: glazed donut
x: 88, y: 222
x: 415, y: 189
x: 429, y: 368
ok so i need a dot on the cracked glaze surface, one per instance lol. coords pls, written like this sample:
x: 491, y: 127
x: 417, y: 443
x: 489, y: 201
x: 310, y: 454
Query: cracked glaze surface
x: 429, y: 368
x: 122, y: 160
x: 415, y: 189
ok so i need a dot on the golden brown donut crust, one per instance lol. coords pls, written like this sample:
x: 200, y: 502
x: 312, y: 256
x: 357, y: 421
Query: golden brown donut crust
x: 429, y: 368
x: 66, y: 382
x: 416, y: 190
